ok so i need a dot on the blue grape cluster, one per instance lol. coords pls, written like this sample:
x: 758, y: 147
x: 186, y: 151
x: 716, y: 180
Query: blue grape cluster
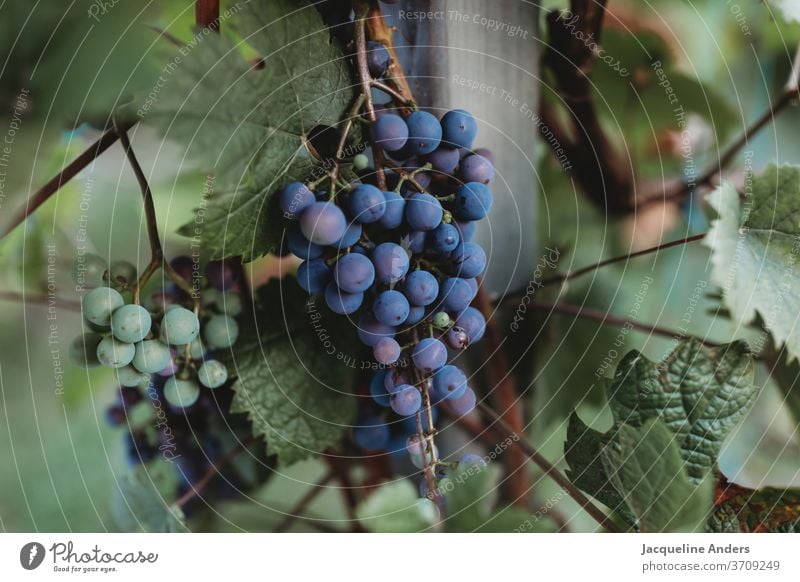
x: 401, y: 262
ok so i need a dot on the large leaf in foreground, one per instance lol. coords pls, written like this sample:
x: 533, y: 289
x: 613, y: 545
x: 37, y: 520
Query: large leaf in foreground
x: 249, y: 126
x: 755, y: 248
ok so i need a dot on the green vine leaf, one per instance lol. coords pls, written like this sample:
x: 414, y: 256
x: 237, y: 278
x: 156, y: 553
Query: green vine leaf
x: 249, y: 125
x: 139, y: 504
x: 396, y: 508
x: 755, y: 249
x: 292, y: 392
x: 699, y: 394
x: 738, y: 509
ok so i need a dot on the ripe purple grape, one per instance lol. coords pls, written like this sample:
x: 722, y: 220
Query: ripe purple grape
x: 421, y: 288
x: 323, y: 223
x: 444, y: 159
x: 313, y: 275
x: 406, y: 400
x: 370, y: 330
x: 468, y: 260
x: 448, y: 382
x: 222, y: 275
x: 423, y: 212
x: 455, y: 295
x: 444, y: 238
x: 456, y: 338
x: 473, y: 323
x: 463, y: 404
x: 476, y: 168
x: 300, y: 246
x: 386, y: 351
x: 295, y: 198
x: 354, y: 273
x: 351, y: 236
x: 459, y: 128
x: 424, y: 132
x: 377, y: 388
x: 395, y: 209
x: 415, y: 315
x: 340, y: 302
x: 391, y: 263
x: 473, y: 201
x: 378, y: 59
x: 391, y: 308
x: 371, y: 434
x: 429, y: 355
x: 390, y: 132
x: 366, y: 204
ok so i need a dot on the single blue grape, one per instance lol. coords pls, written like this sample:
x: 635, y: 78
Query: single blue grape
x: 429, y: 355
x: 386, y: 351
x: 366, y: 204
x: 212, y: 374
x: 444, y: 238
x: 424, y: 132
x: 377, y: 389
x: 463, y: 404
x: 181, y: 393
x: 466, y: 230
x: 354, y: 273
x: 179, y: 326
x: 151, y: 356
x: 130, y: 323
x: 406, y: 400
x: 486, y: 153
x: 323, y: 223
x: 470, y: 460
x: 475, y: 168
x: 448, y: 382
x: 444, y: 159
x: 395, y: 378
x: 371, y: 433
x: 423, y: 212
x: 455, y: 294
x: 83, y: 350
x: 391, y: 307
x: 468, y: 260
x: 459, y: 129
x: 395, y: 209
x: 378, y: 59
x: 113, y: 353
x: 414, y: 241
x: 313, y: 275
x: 473, y: 323
x: 220, y: 332
x: 98, y: 305
x: 295, y: 198
x: 473, y: 201
x: 391, y: 263
x: 456, y: 338
x: 351, y: 236
x: 370, y: 330
x: 421, y: 288
x: 340, y: 302
x: 121, y: 273
x: 390, y: 132
x: 300, y: 246
x: 415, y: 315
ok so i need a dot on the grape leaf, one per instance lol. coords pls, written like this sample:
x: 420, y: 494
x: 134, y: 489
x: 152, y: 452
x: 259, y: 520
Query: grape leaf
x: 140, y: 506
x: 738, y: 509
x: 249, y: 125
x: 699, y: 394
x: 293, y: 392
x: 754, y: 252
x: 644, y: 462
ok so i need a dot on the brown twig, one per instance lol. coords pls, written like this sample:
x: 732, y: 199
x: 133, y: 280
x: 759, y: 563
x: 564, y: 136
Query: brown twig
x: 213, y: 471
x: 378, y: 30
x: 340, y: 470
x: 51, y: 187
x: 294, y: 513
x: 548, y: 469
x: 507, y: 398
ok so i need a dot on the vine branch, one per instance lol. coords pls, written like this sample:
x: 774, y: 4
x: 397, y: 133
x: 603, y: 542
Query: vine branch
x: 294, y: 513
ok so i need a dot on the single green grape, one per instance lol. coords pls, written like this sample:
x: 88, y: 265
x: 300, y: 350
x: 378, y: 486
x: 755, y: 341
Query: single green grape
x: 115, y: 354
x: 196, y: 349
x: 179, y: 326
x: 130, y: 377
x: 99, y: 304
x: 221, y: 331
x: 151, y: 356
x: 230, y: 303
x: 121, y: 273
x: 88, y: 270
x: 441, y: 320
x: 181, y: 393
x: 130, y: 323
x: 212, y: 374
x: 360, y: 162
x: 83, y: 350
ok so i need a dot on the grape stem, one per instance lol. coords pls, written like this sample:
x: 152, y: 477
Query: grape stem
x: 156, y: 251
x: 429, y: 468
x: 310, y: 495
x: 548, y: 469
x: 396, y: 95
x: 353, y: 113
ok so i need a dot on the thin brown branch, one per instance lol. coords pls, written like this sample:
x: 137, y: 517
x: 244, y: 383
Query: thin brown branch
x: 548, y: 469
x: 341, y: 473
x: 379, y: 31
x: 507, y: 398
x: 40, y: 300
x: 295, y: 513
x: 206, y: 14
x: 213, y: 471
x: 54, y: 185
